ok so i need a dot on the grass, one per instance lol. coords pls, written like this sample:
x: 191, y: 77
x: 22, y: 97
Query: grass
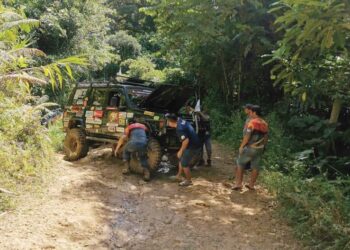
x: 56, y: 135
x: 25, y: 149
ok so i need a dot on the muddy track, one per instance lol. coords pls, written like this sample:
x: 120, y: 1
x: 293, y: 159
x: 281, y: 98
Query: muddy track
x: 88, y: 204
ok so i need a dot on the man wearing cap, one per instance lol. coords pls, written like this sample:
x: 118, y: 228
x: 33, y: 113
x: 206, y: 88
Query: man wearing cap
x: 203, y: 132
x: 136, y: 137
x: 204, y: 135
x: 190, y: 146
x: 252, y: 147
x: 247, y: 110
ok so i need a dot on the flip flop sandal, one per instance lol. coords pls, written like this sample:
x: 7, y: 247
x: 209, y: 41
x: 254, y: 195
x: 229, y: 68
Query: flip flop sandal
x: 185, y: 183
x: 237, y: 188
x: 250, y: 188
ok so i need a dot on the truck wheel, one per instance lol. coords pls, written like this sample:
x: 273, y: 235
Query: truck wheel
x: 154, y: 157
x: 154, y: 154
x: 75, y: 144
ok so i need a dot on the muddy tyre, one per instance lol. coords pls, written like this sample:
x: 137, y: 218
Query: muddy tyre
x: 154, y: 153
x: 75, y: 144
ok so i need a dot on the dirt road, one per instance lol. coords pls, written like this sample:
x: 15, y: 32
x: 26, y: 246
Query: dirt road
x: 89, y: 204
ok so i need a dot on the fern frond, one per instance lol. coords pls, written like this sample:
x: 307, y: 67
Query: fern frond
x: 28, y: 52
x: 25, y: 24
x: 10, y: 16
x: 78, y: 60
x: 21, y: 78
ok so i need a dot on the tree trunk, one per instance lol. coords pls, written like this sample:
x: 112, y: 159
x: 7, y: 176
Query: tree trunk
x: 337, y: 105
x: 239, y: 82
x: 225, y: 78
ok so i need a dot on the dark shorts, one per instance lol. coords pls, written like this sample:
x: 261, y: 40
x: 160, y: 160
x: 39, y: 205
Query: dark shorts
x: 250, y: 156
x: 188, y: 155
x: 136, y: 147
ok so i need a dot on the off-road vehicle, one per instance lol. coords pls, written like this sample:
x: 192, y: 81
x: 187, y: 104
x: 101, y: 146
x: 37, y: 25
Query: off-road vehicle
x: 99, y: 111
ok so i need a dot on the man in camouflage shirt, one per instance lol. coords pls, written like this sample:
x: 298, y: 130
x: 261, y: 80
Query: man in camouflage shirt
x: 252, y: 147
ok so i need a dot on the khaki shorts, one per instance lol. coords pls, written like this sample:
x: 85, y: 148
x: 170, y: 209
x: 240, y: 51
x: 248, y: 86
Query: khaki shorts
x: 252, y: 156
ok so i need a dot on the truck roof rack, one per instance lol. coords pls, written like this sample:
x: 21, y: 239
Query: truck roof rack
x: 133, y: 81
x: 119, y: 79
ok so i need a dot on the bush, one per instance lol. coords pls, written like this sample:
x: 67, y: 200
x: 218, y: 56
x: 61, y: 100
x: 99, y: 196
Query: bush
x: 281, y: 147
x: 317, y: 208
x: 56, y: 136
x: 227, y: 129
x: 25, y: 150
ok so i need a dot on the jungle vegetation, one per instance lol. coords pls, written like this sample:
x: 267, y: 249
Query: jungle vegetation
x: 289, y: 56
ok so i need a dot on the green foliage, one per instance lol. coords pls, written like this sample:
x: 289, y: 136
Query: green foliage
x: 25, y: 149
x: 56, y: 135
x: 228, y: 128
x: 143, y: 68
x: 125, y: 45
x: 73, y: 27
x: 281, y: 146
x: 317, y: 208
x: 219, y: 41
x: 312, y: 58
x: 129, y: 17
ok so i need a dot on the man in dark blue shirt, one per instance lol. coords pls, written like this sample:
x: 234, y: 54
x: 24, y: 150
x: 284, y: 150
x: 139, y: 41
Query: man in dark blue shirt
x: 190, y: 146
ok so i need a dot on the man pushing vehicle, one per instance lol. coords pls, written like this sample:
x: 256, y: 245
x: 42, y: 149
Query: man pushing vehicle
x: 190, y: 146
x: 136, y: 138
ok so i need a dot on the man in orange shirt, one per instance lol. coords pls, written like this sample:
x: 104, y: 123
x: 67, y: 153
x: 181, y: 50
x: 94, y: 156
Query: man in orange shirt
x: 252, y: 147
x: 136, y: 137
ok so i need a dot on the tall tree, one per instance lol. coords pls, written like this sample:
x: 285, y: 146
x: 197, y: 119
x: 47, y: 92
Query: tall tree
x: 313, y: 56
x: 73, y: 27
x: 220, y: 41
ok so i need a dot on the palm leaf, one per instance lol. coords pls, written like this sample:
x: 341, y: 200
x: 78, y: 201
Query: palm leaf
x: 10, y: 16
x: 21, y: 78
x: 28, y: 52
x: 24, y: 24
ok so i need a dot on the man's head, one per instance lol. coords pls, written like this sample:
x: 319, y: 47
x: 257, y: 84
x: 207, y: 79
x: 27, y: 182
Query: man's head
x: 248, y: 108
x: 256, y: 110
x: 188, y: 109
x: 133, y: 120
x: 172, y: 120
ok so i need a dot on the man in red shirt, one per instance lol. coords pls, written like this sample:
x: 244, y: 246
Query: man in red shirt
x: 136, y: 137
x: 252, y: 147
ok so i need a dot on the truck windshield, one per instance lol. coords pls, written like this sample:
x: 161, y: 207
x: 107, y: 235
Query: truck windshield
x: 137, y: 95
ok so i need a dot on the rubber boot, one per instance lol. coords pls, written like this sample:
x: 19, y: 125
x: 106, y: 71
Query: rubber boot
x: 201, y: 162
x: 209, y: 162
x: 146, y: 175
x: 126, y: 169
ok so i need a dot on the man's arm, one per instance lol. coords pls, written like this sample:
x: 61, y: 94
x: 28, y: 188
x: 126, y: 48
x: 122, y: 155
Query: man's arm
x: 245, y: 141
x: 121, y: 142
x: 266, y: 139
x: 184, y: 145
x: 204, y: 116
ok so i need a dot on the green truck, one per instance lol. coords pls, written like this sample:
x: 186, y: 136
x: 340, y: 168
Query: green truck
x: 98, y: 112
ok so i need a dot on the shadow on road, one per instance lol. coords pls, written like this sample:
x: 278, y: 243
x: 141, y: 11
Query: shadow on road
x: 162, y: 215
